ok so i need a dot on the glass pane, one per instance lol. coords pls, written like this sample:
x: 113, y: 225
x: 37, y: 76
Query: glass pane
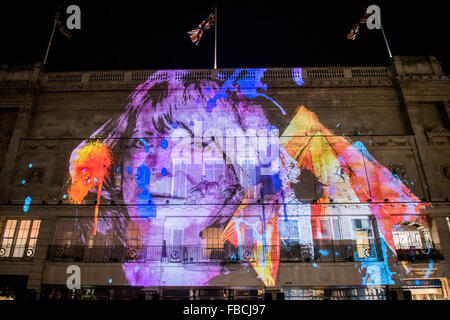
x: 10, y: 228
x: 336, y: 230
x: 35, y: 229
x: 179, y: 179
x: 362, y: 243
x: 248, y: 236
x: 177, y: 237
x: 22, y: 237
x: 6, y: 247
x: 289, y: 229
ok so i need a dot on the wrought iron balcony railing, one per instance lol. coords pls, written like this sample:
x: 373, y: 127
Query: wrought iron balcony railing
x: 418, y: 254
x: 8, y: 252
x: 191, y: 254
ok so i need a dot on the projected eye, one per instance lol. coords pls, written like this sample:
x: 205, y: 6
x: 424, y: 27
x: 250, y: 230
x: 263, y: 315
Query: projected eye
x: 137, y: 143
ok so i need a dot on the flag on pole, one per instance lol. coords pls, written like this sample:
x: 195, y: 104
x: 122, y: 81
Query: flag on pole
x: 366, y: 16
x: 354, y: 32
x: 197, y: 33
x: 371, y: 10
x: 61, y: 27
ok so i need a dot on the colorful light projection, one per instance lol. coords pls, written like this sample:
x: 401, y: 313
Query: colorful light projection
x: 360, y: 177
x: 170, y: 107
x: 88, y: 169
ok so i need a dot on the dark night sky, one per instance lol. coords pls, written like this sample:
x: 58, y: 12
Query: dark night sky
x: 153, y: 34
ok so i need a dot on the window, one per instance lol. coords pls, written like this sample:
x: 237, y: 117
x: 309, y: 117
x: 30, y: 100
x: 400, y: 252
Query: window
x: 8, y: 237
x: 248, y: 237
x: 212, y: 242
x: 65, y: 233
x: 20, y: 238
x: 213, y: 169
x: 248, y: 176
x: 448, y: 222
x: 321, y: 228
x: 179, y: 180
x: 336, y: 229
x: 289, y: 229
x: 177, y: 237
x: 326, y: 228
x: 213, y: 237
x: 409, y: 236
x: 134, y: 237
x: 364, y: 238
x: 407, y: 239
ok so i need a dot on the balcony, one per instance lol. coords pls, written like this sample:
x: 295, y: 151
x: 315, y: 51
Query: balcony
x: 199, y: 254
x: 414, y: 254
x: 17, y: 253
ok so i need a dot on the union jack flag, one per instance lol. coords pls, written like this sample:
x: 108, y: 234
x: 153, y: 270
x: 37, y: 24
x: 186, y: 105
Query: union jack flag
x: 353, y: 33
x: 61, y: 27
x: 197, y: 33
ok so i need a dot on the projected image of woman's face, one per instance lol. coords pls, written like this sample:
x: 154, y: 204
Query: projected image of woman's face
x: 185, y: 158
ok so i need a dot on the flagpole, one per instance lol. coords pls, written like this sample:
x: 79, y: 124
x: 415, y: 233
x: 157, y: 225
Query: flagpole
x: 50, y: 41
x: 384, y: 36
x: 215, y: 38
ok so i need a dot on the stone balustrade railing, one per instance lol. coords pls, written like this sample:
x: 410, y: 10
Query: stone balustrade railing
x: 270, y: 74
x: 275, y: 77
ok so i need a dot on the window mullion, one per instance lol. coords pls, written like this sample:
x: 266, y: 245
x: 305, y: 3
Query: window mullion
x: 14, y: 237
x: 27, y: 240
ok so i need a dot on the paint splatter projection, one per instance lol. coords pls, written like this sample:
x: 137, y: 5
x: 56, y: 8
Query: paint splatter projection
x: 88, y: 170
x: 207, y: 177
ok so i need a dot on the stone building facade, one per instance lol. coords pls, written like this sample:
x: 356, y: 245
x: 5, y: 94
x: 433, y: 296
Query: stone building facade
x: 141, y: 235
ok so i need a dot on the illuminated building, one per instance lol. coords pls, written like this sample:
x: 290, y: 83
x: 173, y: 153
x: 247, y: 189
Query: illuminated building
x: 302, y: 183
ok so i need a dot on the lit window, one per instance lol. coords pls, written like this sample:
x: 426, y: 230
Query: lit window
x: 213, y: 237
x: 248, y: 176
x: 179, y: 180
x: 8, y: 238
x: 336, y: 229
x: 364, y: 238
x: 448, y: 222
x: 212, y: 240
x: 134, y: 237
x: 289, y: 229
x: 407, y: 239
x: 213, y: 169
x: 20, y: 238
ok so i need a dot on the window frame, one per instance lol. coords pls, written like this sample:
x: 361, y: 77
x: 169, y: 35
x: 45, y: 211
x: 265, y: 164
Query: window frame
x: 215, y: 161
x: 242, y: 172
x: 174, y: 162
x: 367, y: 242
x: 14, y: 251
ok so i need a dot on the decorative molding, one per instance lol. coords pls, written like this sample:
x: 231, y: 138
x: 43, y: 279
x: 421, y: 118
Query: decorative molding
x: 438, y: 136
x: 445, y: 172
